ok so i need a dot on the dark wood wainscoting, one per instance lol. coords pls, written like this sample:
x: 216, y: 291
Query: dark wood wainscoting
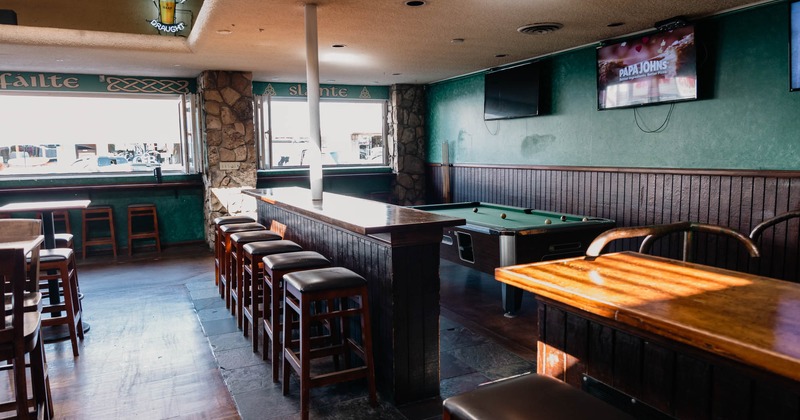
x: 631, y: 196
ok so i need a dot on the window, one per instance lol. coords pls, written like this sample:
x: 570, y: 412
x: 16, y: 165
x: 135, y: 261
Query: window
x: 353, y: 132
x: 50, y: 134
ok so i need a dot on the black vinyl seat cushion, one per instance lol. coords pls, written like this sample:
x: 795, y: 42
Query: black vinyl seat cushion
x: 227, y: 220
x: 321, y: 279
x: 261, y: 248
x: 295, y: 261
x: 254, y: 236
x: 241, y: 227
x: 530, y: 397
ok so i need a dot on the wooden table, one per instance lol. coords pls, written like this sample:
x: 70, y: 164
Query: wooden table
x: 56, y: 332
x: 689, y: 340
x: 46, y: 208
x: 397, y: 250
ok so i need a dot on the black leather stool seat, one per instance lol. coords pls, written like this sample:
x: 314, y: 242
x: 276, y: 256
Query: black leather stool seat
x: 261, y: 248
x: 241, y: 227
x: 226, y: 220
x: 235, y: 276
x: 295, y: 261
x: 530, y: 397
x: 64, y: 240
x: 324, y: 279
x: 254, y: 236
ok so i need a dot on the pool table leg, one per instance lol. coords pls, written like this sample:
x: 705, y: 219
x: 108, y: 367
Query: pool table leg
x: 512, y: 296
x: 512, y: 300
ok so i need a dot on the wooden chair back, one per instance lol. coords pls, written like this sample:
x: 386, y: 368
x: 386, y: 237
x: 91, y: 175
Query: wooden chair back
x: 654, y: 232
x: 13, y: 230
x: 13, y: 276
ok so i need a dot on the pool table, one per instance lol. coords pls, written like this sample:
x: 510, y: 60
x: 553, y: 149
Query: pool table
x: 499, y: 236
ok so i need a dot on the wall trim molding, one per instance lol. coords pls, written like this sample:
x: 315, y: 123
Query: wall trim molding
x: 771, y: 173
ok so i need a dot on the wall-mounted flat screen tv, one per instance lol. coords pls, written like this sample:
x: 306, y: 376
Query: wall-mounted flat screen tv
x: 511, y: 92
x: 648, y: 70
x: 794, y: 45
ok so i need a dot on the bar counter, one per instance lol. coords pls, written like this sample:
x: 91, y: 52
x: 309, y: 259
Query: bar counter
x: 690, y: 340
x: 397, y: 250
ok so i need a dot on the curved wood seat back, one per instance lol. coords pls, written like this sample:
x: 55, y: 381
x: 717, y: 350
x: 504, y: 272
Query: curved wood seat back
x: 654, y: 232
x: 757, y: 231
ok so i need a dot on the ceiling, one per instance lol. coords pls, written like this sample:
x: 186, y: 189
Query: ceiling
x: 386, y: 41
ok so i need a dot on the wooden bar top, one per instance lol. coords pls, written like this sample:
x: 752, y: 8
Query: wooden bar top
x: 357, y: 215
x: 742, y: 317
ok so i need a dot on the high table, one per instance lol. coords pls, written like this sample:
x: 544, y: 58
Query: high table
x: 57, y: 332
x: 397, y: 250
x: 684, y: 339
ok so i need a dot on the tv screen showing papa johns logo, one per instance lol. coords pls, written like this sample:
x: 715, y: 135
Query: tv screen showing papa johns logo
x: 648, y: 70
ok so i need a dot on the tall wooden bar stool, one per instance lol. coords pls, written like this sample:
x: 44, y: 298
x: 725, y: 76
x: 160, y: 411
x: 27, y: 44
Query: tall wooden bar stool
x: 219, y: 221
x: 59, y: 265
x: 303, y: 288
x: 98, y: 217
x: 252, y: 274
x: 21, y: 336
x: 275, y: 267
x: 144, y: 213
x: 225, y: 255
x: 530, y: 396
x: 238, y: 241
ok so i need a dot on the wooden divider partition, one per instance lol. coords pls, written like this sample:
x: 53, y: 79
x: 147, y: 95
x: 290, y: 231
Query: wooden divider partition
x: 636, y: 196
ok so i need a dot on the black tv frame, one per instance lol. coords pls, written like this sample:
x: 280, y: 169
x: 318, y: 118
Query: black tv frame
x: 530, y: 68
x: 637, y: 37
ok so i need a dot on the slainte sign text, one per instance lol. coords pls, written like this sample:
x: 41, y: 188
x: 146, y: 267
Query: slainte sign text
x: 37, y: 80
x: 327, y: 92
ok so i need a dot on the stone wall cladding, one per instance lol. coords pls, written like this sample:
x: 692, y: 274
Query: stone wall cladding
x: 407, y: 139
x: 227, y: 110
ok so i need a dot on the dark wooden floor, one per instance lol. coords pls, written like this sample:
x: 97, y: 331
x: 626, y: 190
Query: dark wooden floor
x: 146, y: 355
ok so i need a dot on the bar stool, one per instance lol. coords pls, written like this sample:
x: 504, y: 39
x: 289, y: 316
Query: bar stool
x: 219, y: 221
x: 146, y: 212
x: 301, y: 289
x: 251, y: 283
x: 238, y: 241
x: 530, y: 396
x: 275, y: 267
x: 225, y: 255
x: 61, y: 263
x: 101, y: 215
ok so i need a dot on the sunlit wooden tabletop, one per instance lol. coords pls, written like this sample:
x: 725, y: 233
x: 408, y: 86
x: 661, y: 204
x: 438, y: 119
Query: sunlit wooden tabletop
x: 751, y: 319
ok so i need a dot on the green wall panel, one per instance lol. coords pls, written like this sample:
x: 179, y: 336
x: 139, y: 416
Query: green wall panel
x: 746, y: 119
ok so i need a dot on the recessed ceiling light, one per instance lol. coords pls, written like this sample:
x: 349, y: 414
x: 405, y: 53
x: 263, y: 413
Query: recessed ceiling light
x: 224, y: 31
x: 615, y: 24
x: 176, y: 65
x: 540, y: 28
x: 338, y: 45
x: 457, y: 41
x: 501, y: 56
x: 415, y: 3
x: 396, y: 74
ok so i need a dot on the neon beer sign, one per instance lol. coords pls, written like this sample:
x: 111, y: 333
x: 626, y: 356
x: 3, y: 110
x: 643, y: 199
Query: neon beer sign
x: 166, y: 16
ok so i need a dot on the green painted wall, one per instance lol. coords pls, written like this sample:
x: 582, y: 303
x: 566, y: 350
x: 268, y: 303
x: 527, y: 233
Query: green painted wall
x: 180, y: 209
x: 747, y: 119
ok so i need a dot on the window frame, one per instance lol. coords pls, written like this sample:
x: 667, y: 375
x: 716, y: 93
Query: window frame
x: 187, y: 119
x: 263, y: 121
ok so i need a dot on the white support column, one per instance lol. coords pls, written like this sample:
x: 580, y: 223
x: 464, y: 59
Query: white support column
x: 312, y: 81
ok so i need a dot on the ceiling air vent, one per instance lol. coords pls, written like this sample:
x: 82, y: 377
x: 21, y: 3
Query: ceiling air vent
x: 539, y: 28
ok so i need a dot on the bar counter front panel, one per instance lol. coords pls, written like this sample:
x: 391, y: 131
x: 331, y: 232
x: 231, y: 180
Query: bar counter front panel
x: 398, y: 254
x: 688, y: 341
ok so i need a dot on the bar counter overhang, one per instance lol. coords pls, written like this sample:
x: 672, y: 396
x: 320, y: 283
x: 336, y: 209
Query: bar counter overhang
x: 397, y: 250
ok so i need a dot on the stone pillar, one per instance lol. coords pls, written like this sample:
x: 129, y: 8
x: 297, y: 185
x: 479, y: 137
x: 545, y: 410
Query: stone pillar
x: 227, y: 109
x: 407, y: 139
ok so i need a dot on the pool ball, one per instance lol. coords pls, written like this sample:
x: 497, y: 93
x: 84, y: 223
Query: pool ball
x: 547, y: 221
x: 563, y: 218
x: 474, y: 209
x: 502, y: 215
